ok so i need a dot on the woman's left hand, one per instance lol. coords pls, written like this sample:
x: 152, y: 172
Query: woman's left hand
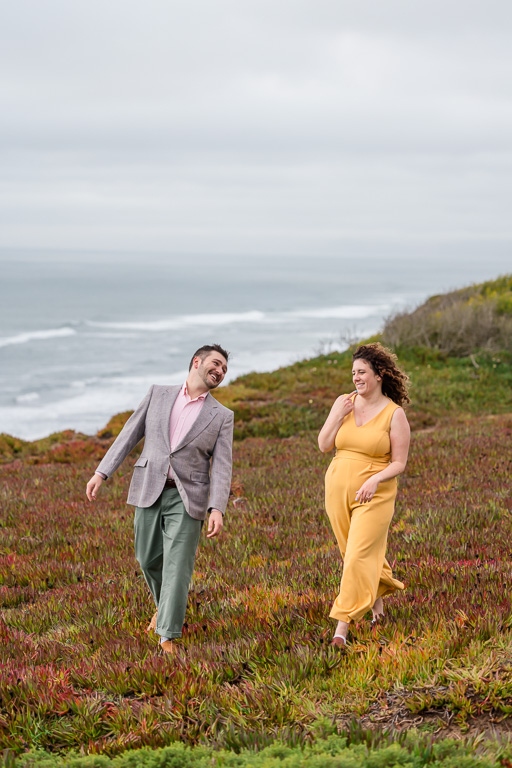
x: 367, y: 490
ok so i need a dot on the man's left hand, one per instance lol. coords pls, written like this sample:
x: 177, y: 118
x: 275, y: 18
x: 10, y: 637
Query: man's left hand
x: 215, y: 524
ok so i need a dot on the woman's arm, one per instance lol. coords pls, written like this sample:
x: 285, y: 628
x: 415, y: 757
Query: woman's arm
x: 341, y: 407
x: 400, y: 437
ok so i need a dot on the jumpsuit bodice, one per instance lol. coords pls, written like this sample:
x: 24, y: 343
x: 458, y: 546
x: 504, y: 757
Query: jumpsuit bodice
x: 370, y: 442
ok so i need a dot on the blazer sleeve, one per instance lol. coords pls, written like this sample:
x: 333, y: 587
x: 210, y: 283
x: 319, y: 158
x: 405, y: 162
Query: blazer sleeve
x: 221, y: 467
x: 133, y: 431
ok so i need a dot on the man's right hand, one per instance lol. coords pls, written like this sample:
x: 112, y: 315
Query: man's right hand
x: 93, y: 487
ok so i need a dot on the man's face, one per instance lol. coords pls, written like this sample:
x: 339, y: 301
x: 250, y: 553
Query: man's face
x: 212, y: 369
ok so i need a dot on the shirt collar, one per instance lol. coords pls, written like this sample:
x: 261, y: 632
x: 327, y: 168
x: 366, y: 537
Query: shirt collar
x: 184, y: 393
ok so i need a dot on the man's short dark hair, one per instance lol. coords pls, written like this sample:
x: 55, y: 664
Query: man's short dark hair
x: 205, y: 350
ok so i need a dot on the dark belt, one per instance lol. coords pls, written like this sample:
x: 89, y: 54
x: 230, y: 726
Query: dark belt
x: 170, y: 484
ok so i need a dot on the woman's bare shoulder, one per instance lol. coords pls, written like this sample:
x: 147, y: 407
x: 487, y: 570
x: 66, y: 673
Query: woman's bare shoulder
x: 399, y: 417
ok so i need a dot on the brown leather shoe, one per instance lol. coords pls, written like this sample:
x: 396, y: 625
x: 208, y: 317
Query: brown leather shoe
x: 152, y: 623
x: 339, y: 642
x: 168, y: 646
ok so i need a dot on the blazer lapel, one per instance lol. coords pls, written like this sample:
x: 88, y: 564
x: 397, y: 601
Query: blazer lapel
x: 202, y: 421
x: 170, y: 395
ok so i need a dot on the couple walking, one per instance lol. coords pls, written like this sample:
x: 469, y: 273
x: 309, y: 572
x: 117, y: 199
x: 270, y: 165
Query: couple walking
x: 184, y: 473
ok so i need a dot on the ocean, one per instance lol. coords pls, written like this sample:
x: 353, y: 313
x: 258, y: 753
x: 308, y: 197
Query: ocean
x: 83, y: 335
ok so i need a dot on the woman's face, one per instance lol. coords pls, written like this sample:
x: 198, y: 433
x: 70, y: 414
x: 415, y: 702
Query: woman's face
x: 366, y: 381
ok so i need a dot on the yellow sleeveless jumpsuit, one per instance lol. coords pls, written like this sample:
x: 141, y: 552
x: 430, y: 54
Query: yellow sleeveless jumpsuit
x: 361, y: 530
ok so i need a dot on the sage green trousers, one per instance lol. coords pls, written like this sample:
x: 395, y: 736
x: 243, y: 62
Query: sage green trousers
x: 166, y: 540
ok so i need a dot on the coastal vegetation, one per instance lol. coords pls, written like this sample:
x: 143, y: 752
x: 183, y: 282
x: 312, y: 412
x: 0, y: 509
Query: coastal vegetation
x: 457, y: 323
x: 254, y: 670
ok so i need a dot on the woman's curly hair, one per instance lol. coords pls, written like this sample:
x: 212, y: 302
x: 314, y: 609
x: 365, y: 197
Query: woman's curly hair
x: 384, y: 363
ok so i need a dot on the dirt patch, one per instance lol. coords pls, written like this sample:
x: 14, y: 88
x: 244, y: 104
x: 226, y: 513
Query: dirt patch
x: 392, y: 712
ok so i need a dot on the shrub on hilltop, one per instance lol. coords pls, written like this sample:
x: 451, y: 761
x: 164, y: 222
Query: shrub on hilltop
x: 459, y: 323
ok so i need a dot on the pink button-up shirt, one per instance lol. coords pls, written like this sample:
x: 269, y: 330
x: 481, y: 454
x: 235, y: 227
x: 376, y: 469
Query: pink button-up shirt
x: 183, y: 415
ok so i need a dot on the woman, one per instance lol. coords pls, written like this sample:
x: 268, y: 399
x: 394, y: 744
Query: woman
x: 371, y: 434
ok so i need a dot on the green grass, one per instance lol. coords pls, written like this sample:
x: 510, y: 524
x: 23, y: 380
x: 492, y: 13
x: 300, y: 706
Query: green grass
x: 359, y: 748
x: 297, y: 398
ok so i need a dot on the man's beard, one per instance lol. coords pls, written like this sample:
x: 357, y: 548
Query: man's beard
x: 210, y: 383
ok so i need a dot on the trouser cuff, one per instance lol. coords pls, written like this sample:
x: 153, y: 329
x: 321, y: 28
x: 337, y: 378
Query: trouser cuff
x: 334, y: 614
x: 168, y: 633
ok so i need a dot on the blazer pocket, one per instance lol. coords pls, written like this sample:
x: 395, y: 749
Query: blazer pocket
x: 141, y: 462
x: 200, y: 477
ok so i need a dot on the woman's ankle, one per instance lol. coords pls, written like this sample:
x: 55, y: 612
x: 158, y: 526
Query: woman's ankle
x: 341, y: 630
x: 378, y: 608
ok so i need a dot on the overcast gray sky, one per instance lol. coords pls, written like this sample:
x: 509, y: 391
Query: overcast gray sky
x: 254, y: 126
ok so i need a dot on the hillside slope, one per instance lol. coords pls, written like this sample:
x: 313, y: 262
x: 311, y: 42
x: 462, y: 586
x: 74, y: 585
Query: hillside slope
x: 78, y: 672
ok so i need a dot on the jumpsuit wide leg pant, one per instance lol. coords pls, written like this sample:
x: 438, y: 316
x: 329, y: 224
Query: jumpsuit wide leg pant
x: 166, y: 540
x: 361, y: 531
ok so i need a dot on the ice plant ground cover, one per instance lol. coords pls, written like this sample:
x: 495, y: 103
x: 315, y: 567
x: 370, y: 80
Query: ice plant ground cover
x: 78, y: 672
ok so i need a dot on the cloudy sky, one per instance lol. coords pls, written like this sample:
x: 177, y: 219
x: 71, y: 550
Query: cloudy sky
x: 270, y: 126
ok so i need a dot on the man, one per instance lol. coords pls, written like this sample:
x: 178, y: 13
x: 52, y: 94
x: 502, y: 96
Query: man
x: 183, y: 472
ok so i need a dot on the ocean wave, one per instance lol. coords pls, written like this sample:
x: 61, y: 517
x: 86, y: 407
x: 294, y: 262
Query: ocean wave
x: 344, y: 312
x: 82, y: 383
x: 341, y: 312
x: 29, y: 397
x: 111, y: 335
x: 182, y: 321
x: 24, y: 338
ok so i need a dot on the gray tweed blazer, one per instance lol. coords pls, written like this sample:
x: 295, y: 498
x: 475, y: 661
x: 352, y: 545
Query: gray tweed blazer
x: 201, y: 463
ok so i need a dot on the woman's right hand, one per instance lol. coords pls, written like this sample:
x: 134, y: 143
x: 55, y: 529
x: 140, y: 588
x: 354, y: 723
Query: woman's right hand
x: 343, y: 405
